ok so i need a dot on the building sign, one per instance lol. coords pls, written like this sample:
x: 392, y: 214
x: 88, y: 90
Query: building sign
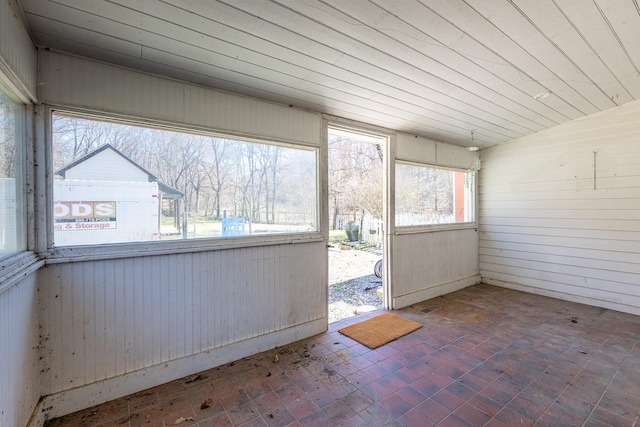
x: 84, y: 215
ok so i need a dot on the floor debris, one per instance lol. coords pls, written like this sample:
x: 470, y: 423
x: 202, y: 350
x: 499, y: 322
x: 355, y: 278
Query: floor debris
x: 183, y: 419
x: 196, y: 378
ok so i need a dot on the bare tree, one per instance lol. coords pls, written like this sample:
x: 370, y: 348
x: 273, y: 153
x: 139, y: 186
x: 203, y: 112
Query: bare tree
x: 218, y: 167
x: 75, y: 138
x: 175, y: 160
x: 355, y: 178
x: 424, y: 193
x: 214, y: 173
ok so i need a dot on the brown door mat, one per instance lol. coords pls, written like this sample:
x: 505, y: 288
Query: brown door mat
x: 380, y: 330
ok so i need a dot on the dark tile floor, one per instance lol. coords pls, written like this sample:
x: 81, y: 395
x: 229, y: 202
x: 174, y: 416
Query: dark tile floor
x: 486, y: 356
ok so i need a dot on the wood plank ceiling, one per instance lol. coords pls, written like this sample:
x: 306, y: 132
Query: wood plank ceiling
x: 460, y: 71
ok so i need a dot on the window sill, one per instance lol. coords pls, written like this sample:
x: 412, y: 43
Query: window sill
x: 16, y: 268
x: 423, y: 229
x: 128, y: 250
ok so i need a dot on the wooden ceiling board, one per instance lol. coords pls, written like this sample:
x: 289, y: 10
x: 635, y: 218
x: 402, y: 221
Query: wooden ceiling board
x: 419, y: 107
x: 230, y: 63
x: 299, y: 98
x: 529, y: 68
x: 438, y: 69
x: 404, y: 102
x: 571, y: 42
x: 623, y: 17
x: 354, y: 46
x: 433, y: 55
x: 519, y: 27
x: 453, y: 46
x: 162, y: 67
x: 599, y: 33
x: 52, y: 26
x: 407, y: 88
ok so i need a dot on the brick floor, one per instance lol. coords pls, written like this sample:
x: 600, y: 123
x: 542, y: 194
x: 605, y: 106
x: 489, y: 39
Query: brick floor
x: 486, y: 356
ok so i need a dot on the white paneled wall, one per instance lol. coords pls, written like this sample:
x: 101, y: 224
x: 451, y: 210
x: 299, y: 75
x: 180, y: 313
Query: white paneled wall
x: 106, y: 319
x: 19, y: 373
x: 18, y: 56
x: 560, y: 211
x: 418, y: 149
x: 112, y: 327
x: 71, y: 81
x: 426, y: 265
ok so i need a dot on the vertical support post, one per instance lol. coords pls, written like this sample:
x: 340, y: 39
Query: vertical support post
x: 389, y: 213
x: 43, y: 204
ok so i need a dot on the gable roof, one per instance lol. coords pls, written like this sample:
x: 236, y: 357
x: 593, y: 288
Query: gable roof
x: 169, y: 192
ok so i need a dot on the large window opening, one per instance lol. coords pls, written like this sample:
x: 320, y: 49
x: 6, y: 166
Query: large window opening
x: 12, y: 202
x: 432, y: 196
x: 356, y: 222
x: 119, y: 183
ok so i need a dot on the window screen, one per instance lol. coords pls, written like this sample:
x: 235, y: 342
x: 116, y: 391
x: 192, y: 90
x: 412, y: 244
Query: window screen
x: 118, y: 183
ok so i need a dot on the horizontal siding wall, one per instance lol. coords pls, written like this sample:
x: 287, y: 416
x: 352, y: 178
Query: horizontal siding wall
x: 19, y: 373
x: 77, y: 82
x: 560, y: 211
x: 426, y: 265
x: 105, y: 319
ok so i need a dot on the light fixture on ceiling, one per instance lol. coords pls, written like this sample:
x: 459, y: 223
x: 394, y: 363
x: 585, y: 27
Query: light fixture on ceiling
x: 542, y: 95
x: 473, y: 147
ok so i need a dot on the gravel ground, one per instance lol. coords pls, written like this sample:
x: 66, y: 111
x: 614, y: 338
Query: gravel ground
x: 352, y: 282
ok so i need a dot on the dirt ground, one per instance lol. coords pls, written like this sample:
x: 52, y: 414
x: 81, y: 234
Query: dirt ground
x: 352, y: 282
x: 350, y: 264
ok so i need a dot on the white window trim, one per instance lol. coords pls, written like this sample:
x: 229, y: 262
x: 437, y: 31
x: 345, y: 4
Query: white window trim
x: 64, y: 254
x: 21, y: 264
x: 128, y: 250
x: 17, y: 267
x: 433, y: 228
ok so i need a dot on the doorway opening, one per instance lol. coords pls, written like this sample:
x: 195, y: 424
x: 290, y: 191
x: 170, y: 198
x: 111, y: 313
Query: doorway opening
x: 356, y: 222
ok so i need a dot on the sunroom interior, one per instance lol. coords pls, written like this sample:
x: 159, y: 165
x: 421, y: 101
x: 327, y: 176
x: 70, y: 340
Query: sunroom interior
x: 533, y: 106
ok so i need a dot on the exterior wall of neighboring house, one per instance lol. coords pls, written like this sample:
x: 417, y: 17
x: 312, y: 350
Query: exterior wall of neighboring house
x: 88, y: 212
x: 116, y: 326
x: 559, y: 211
x: 107, y: 165
x: 102, y: 198
x: 19, y: 373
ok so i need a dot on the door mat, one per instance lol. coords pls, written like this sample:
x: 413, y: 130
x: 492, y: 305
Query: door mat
x: 380, y: 330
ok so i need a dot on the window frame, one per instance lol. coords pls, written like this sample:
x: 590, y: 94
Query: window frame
x: 20, y: 264
x: 427, y: 228
x: 149, y: 248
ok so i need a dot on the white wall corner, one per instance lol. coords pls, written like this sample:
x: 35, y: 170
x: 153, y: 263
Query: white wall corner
x: 435, y: 291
